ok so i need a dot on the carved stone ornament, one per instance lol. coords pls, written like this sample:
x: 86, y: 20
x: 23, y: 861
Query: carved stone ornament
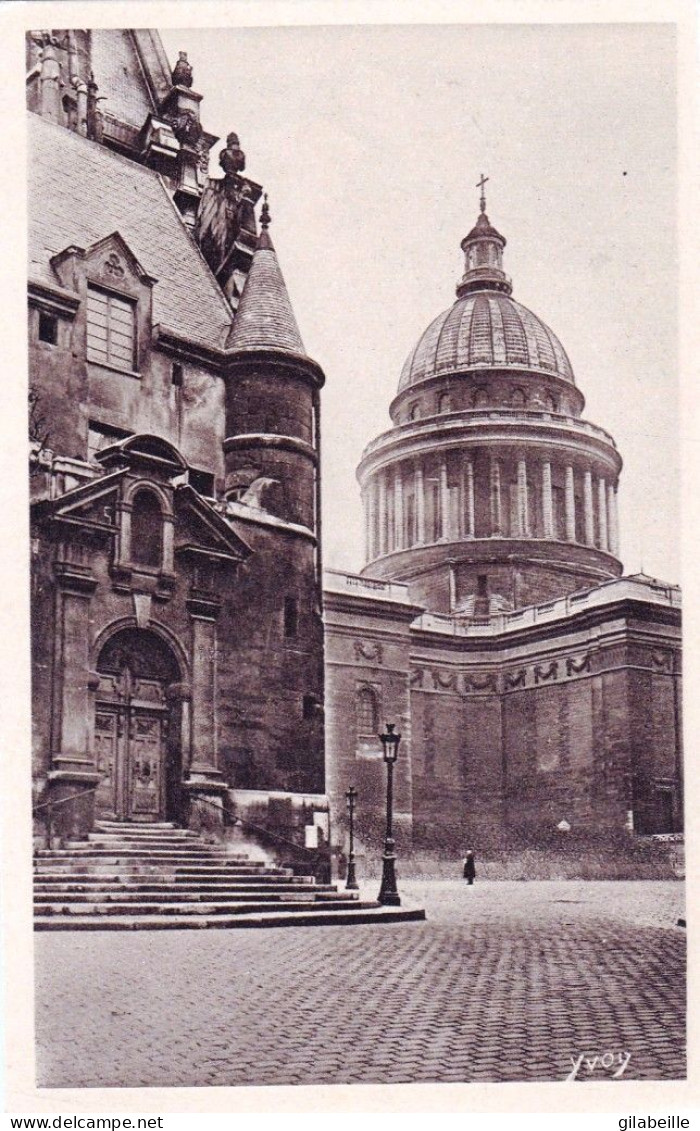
x: 575, y: 665
x: 446, y: 681
x: 232, y: 158
x: 416, y: 678
x: 186, y: 127
x: 516, y: 678
x: 113, y: 266
x: 182, y: 71
x: 662, y: 661
x: 476, y: 682
x: 545, y: 673
x: 371, y: 651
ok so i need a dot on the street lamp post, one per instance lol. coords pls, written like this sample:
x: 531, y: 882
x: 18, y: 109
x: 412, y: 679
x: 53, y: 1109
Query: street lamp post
x: 351, y: 880
x: 388, y: 893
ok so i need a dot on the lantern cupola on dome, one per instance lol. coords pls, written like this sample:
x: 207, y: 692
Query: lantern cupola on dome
x: 483, y: 255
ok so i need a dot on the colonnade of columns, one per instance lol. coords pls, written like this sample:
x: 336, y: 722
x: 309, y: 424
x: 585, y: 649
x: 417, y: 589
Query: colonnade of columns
x: 415, y: 504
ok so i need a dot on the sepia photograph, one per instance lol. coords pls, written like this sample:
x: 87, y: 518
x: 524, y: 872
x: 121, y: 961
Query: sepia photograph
x: 354, y: 489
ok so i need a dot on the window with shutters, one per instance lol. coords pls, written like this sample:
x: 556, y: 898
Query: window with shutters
x: 111, y: 330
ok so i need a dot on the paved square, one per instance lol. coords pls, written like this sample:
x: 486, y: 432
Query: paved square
x: 505, y: 981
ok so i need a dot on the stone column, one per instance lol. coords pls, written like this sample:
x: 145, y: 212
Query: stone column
x: 444, y: 503
x: 390, y: 525
x: 420, y: 506
x: 71, y: 715
x: 399, y: 536
x: 603, y: 514
x: 205, y: 779
x: 570, y: 504
x: 468, y: 501
x: 588, y: 508
x: 547, y: 513
x: 382, y: 523
x: 495, y: 482
x: 612, y: 520
x: 203, y: 692
x: 523, y: 509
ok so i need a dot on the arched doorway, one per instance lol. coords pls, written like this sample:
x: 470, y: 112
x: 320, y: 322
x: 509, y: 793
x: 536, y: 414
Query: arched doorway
x: 137, y: 728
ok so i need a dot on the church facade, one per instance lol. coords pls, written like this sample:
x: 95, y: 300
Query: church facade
x: 181, y: 667
x: 535, y: 687
x: 175, y: 482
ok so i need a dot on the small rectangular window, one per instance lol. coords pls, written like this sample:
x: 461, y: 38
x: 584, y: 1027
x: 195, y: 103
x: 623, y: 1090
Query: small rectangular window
x: 111, y: 331
x: 176, y: 375
x: 291, y: 617
x: 48, y: 328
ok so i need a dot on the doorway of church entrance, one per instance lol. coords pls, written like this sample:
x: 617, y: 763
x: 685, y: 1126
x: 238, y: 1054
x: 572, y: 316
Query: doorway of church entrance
x: 137, y: 748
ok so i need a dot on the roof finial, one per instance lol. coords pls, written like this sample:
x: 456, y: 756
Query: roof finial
x: 265, y: 214
x: 480, y: 184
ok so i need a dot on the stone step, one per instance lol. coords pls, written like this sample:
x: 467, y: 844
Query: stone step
x: 172, y: 891
x: 176, y: 837
x: 218, y: 907
x: 82, y: 859
x: 96, y: 852
x: 74, y: 873
x: 165, y: 896
x: 360, y: 914
x: 138, y: 826
x: 66, y: 881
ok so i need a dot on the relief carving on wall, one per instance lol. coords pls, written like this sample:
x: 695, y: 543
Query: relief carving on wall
x: 576, y: 665
x: 416, y: 679
x: 485, y: 682
x: 113, y: 266
x: 662, y: 661
x: 446, y: 681
x: 517, y: 678
x: 543, y: 674
x: 371, y: 651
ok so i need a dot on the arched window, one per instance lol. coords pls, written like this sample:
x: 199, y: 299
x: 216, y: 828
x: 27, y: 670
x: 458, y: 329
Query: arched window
x: 367, y: 711
x: 146, y: 530
x: 518, y: 398
x: 414, y: 411
x: 445, y: 403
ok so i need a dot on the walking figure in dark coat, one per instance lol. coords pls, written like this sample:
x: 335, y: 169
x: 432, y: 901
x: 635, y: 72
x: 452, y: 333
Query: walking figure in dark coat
x: 469, y: 867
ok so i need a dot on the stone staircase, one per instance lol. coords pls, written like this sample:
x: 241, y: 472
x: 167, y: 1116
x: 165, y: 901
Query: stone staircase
x: 148, y: 877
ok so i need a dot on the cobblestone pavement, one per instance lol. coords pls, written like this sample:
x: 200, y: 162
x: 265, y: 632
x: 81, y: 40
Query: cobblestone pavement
x: 505, y: 981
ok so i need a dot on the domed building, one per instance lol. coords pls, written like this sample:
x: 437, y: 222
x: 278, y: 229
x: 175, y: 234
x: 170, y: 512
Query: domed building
x: 490, y: 492
x: 535, y: 688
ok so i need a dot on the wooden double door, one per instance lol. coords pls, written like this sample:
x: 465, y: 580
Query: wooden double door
x: 131, y: 754
x: 134, y: 751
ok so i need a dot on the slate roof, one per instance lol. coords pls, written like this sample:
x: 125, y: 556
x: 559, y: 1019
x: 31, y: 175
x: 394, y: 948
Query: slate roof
x: 79, y: 192
x: 265, y: 319
x: 485, y: 328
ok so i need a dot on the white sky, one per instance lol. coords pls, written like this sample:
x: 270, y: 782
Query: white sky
x: 369, y: 141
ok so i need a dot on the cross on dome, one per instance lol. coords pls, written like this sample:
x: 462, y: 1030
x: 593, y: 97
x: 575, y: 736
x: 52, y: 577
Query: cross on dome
x: 480, y: 185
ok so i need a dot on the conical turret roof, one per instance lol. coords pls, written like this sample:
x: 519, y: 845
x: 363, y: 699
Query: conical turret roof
x: 265, y: 319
